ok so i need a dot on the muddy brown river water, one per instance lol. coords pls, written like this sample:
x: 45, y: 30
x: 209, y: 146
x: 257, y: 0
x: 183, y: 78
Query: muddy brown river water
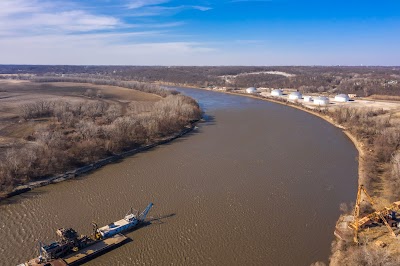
x: 257, y: 184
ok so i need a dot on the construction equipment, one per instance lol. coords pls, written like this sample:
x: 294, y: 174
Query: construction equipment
x: 373, y: 216
x: 72, y: 249
x: 96, y: 233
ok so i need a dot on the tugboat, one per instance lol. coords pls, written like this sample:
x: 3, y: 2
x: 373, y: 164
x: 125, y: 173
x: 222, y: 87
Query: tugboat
x: 72, y: 249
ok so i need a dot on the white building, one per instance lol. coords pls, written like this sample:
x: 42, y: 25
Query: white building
x: 308, y: 99
x: 342, y: 98
x: 276, y: 92
x: 251, y: 90
x: 321, y: 101
x: 296, y: 95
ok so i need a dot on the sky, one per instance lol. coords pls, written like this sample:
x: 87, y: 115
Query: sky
x: 202, y: 32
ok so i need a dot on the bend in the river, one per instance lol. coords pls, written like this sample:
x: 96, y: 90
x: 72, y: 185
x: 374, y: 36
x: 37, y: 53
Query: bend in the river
x: 258, y: 183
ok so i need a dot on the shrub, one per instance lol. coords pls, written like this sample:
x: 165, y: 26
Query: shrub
x: 82, y: 132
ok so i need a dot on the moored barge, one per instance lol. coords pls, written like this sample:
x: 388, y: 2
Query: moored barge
x: 72, y: 249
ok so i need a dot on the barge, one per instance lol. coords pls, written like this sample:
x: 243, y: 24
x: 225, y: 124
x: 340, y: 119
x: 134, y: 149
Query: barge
x: 94, y: 250
x: 72, y: 249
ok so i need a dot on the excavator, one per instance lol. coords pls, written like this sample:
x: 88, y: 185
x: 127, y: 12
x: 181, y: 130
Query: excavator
x: 387, y: 215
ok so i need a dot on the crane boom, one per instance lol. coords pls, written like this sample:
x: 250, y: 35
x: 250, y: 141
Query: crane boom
x: 357, y: 213
x: 356, y: 223
x: 368, y: 196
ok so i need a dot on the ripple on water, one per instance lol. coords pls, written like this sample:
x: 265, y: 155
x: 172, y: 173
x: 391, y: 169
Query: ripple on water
x: 247, y: 188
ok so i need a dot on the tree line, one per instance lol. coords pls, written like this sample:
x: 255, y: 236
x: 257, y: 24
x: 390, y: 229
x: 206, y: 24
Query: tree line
x: 382, y: 139
x: 81, y: 133
x: 364, y: 81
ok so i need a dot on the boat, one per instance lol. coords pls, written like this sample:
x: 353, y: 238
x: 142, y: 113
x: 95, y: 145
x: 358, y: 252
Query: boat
x: 130, y: 221
x: 72, y: 249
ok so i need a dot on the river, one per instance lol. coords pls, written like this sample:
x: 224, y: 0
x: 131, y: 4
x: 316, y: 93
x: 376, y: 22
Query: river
x: 258, y: 183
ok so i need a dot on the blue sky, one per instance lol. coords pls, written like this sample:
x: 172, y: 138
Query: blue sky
x: 203, y: 32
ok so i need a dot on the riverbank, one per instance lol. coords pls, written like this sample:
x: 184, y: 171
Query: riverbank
x: 50, y: 128
x: 93, y: 166
x: 210, y: 173
x: 319, y: 113
x: 316, y: 112
x: 373, y: 132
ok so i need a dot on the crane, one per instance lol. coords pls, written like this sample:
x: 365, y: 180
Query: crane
x: 359, y: 222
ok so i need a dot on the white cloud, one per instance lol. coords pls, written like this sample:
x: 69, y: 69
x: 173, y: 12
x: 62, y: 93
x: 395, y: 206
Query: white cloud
x: 202, y: 8
x: 164, y: 25
x: 151, y: 11
x: 23, y: 17
x: 100, y: 49
x: 41, y: 17
x: 51, y: 32
x: 11, y: 7
x: 239, y: 1
x: 142, y: 3
x: 72, y: 21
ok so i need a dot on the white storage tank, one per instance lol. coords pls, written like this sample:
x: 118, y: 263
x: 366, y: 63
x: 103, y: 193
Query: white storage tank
x: 276, y: 92
x: 342, y: 98
x: 296, y: 95
x: 321, y: 100
x: 251, y: 90
x: 308, y: 99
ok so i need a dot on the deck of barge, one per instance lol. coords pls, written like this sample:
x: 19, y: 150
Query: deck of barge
x: 94, y: 250
x: 82, y: 255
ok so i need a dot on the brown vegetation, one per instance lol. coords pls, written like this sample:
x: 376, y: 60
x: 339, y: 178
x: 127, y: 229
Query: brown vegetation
x: 395, y: 173
x: 385, y: 97
x: 381, y: 140
x: 140, y: 86
x: 378, y: 133
x: 70, y: 134
x: 368, y: 254
x: 377, y: 130
x: 363, y: 81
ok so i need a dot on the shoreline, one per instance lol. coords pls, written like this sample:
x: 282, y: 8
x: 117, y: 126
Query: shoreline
x: 93, y: 166
x: 358, y: 144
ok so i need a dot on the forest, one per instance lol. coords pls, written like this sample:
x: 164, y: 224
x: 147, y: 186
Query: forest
x: 363, y: 81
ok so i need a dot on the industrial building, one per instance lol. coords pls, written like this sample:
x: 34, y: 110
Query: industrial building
x: 251, y: 90
x: 321, y: 101
x: 342, y: 98
x: 296, y: 95
x: 276, y: 92
x: 308, y: 99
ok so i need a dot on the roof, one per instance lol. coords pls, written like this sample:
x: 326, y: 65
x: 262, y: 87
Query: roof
x: 321, y: 98
x: 112, y: 226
